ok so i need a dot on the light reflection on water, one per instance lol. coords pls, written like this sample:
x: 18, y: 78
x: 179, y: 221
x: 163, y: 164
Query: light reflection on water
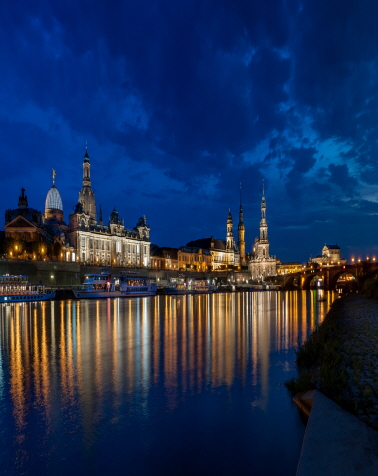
x: 201, y: 374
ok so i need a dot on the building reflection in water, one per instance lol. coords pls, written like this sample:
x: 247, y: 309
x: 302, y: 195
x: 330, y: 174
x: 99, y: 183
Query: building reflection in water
x: 74, y: 357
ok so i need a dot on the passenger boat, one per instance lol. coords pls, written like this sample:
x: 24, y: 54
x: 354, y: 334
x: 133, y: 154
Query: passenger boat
x: 181, y: 285
x: 201, y: 286
x: 176, y: 286
x: 105, y: 285
x: 16, y: 288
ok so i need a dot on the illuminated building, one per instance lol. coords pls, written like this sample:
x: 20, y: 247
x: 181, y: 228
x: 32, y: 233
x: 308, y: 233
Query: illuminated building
x: 224, y: 253
x: 110, y: 244
x: 164, y: 258
x: 331, y: 256
x: 54, y: 218
x: 289, y: 268
x: 194, y: 259
x: 262, y: 264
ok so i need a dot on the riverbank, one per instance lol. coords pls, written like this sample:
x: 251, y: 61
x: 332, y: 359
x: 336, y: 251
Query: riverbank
x: 341, y: 358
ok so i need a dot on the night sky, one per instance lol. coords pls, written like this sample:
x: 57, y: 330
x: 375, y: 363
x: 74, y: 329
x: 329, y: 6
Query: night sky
x: 180, y: 101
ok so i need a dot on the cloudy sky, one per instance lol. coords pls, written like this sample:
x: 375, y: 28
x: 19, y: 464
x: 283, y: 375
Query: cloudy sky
x: 180, y: 101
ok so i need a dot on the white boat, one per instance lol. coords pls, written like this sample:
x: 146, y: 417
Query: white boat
x: 16, y: 288
x: 106, y: 285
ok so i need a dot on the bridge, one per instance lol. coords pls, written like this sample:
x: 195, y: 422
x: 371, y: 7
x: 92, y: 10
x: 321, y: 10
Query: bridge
x: 331, y: 274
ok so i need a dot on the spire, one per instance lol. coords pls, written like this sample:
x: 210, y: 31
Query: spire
x: 241, y: 232
x: 53, y: 177
x: 86, y: 155
x: 86, y: 169
x: 100, y: 216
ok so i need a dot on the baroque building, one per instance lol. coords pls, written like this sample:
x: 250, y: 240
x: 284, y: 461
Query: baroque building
x: 110, y: 244
x: 224, y: 253
x: 331, y: 256
x: 262, y: 264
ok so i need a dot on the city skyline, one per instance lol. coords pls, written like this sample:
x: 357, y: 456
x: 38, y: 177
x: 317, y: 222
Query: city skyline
x: 179, y: 103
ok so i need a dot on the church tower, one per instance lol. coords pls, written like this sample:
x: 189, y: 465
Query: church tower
x: 263, y: 245
x: 230, y: 241
x: 262, y: 264
x: 241, y: 233
x: 86, y: 194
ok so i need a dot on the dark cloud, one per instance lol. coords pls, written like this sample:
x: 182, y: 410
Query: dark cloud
x: 182, y: 101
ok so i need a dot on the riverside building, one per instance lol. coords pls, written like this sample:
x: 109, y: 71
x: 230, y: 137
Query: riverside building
x: 111, y: 244
x: 84, y: 239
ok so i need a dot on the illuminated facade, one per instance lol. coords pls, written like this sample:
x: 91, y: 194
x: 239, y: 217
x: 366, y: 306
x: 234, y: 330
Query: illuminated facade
x: 111, y: 244
x: 331, y: 256
x: 262, y: 264
x: 289, y: 268
x: 194, y: 259
x: 224, y: 253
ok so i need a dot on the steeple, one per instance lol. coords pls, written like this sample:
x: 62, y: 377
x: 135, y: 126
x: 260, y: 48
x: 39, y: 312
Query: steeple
x: 230, y: 242
x: 86, y: 194
x: 100, y: 222
x: 241, y: 232
x: 86, y: 169
x: 263, y: 222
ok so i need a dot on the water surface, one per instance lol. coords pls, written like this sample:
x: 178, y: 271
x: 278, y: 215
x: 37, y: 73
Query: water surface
x: 158, y: 385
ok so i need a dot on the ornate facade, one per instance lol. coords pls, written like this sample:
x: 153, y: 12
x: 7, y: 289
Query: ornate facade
x: 331, y: 256
x: 224, y: 253
x: 110, y: 244
x: 262, y: 264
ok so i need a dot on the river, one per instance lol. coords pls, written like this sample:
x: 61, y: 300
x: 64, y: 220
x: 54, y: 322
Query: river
x: 163, y: 385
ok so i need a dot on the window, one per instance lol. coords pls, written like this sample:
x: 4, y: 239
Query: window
x: 83, y: 242
x: 118, y: 246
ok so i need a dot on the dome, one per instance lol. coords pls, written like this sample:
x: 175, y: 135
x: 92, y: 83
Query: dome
x: 53, y: 199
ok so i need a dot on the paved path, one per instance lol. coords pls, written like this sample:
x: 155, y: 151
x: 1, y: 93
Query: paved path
x: 337, y: 443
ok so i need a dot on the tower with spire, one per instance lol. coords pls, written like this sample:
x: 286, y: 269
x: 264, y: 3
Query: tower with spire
x: 230, y: 241
x: 241, y: 233
x: 86, y: 194
x: 262, y: 264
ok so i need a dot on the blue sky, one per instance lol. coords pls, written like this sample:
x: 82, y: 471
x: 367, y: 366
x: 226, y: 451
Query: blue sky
x: 182, y: 101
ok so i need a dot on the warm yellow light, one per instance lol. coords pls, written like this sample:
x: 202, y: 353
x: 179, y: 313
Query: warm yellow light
x: 359, y: 260
x: 352, y: 260
x: 367, y: 258
x: 373, y: 259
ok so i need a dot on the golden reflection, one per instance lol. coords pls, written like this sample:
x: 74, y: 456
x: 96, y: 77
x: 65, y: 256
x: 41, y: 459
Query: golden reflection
x: 17, y: 374
x: 77, y: 352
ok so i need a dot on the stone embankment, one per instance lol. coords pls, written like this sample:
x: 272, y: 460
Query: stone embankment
x: 341, y: 357
x: 341, y: 360
x: 359, y: 356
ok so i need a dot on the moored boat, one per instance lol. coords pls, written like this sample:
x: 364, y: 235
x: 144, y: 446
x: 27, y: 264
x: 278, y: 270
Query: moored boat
x: 16, y: 288
x: 188, y: 285
x: 106, y: 285
x: 176, y: 286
